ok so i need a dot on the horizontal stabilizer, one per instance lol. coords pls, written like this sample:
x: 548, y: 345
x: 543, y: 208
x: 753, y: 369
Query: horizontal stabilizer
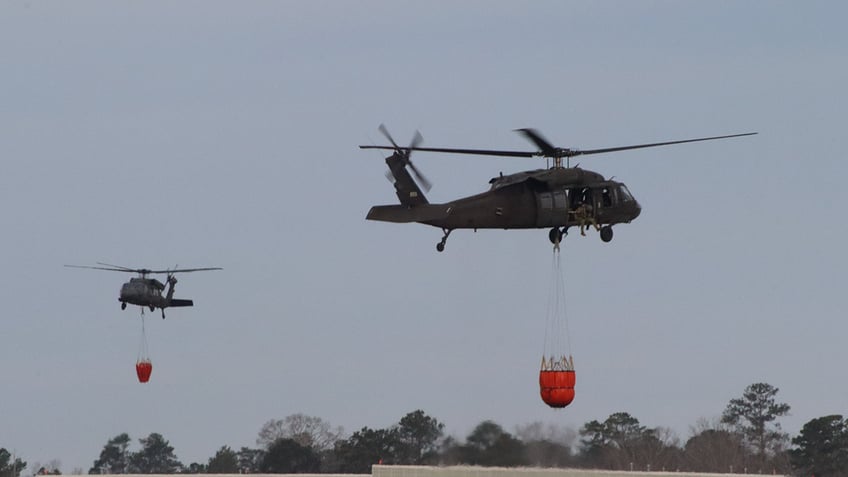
x: 403, y: 214
x: 178, y: 302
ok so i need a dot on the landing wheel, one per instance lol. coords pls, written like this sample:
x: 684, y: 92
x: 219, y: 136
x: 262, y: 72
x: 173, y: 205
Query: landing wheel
x: 555, y: 236
x: 123, y: 305
x: 152, y: 308
x: 441, y: 245
x: 606, y: 233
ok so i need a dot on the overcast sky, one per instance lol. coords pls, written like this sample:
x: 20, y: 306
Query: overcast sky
x: 205, y: 133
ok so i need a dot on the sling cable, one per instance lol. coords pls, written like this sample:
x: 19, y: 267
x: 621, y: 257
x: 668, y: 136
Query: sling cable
x: 556, y: 376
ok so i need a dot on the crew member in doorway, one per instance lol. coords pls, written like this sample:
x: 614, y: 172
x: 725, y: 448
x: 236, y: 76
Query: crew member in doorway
x: 583, y: 215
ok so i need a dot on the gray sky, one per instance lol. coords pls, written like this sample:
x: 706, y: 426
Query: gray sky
x: 199, y: 133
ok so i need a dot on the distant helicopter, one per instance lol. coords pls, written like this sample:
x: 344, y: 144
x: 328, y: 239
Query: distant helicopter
x: 147, y: 292
x: 559, y: 197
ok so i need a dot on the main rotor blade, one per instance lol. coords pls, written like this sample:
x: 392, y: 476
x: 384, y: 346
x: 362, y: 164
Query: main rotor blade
x: 572, y: 153
x: 104, y: 268
x: 184, y: 270
x: 143, y: 271
x: 547, y: 148
x: 479, y: 152
x: 116, y: 266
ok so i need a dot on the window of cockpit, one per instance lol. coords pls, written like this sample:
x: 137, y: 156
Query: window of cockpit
x: 624, y: 194
x: 606, y: 197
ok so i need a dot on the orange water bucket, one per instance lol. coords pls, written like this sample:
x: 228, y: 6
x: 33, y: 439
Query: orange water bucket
x: 557, y: 387
x: 143, y: 368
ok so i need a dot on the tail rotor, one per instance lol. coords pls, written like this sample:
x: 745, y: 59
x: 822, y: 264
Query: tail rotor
x: 404, y: 154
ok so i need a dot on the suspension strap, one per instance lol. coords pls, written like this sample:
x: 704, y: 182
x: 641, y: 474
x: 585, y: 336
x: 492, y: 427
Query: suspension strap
x: 142, y: 347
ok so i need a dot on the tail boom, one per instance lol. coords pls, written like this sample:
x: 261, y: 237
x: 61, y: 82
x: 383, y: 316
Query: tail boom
x: 403, y: 214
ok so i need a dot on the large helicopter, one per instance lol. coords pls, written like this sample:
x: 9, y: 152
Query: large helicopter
x: 147, y: 292
x: 559, y: 197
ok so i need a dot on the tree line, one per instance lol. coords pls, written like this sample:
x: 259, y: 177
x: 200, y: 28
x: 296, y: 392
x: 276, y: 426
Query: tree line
x: 746, y: 439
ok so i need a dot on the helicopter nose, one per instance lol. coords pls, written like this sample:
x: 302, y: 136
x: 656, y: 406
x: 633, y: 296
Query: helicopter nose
x: 637, y: 209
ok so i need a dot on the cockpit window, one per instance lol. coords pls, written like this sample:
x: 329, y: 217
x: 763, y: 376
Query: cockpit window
x: 606, y: 197
x: 624, y: 194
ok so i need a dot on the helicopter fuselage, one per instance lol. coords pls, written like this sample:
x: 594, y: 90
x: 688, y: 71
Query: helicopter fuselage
x: 532, y: 199
x: 143, y: 292
x: 147, y: 292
